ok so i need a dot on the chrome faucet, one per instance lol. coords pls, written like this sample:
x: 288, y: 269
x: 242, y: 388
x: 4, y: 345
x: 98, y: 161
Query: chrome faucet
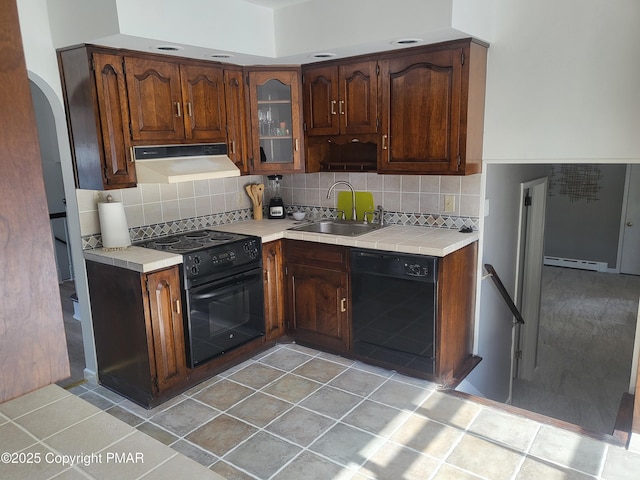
x: 353, y: 196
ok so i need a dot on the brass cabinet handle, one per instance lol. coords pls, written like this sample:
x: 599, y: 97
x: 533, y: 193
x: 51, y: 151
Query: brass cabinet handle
x: 233, y: 146
x: 384, y: 142
x: 341, y: 105
x: 178, y: 109
x: 343, y: 303
x: 297, y: 145
x: 176, y: 306
x: 189, y: 109
x: 333, y: 107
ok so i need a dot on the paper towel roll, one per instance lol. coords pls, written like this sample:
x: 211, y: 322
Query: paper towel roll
x: 113, y: 225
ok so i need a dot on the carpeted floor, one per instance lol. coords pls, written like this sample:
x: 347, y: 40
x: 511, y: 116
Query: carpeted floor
x: 585, y: 347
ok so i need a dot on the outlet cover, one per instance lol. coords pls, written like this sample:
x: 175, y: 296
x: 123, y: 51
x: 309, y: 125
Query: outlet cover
x: 449, y: 203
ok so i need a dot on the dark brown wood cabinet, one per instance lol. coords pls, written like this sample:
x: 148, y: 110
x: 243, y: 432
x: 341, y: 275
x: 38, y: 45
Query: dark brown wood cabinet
x: 164, y: 321
x: 341, y: 99
x: 95, y: 98
x: 204, y: 100
x: 238, y: 145
x: 175, y: 102
x: 455, y: 315
x: 318, y: 294
x: 276, y: 121
x: 118, y: 99
x: 272, y: 263
x: 432, y: 110
x: 139, y: 332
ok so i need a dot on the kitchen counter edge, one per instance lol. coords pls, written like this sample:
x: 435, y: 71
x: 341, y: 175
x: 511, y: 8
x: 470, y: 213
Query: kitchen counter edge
x: 437, y: 242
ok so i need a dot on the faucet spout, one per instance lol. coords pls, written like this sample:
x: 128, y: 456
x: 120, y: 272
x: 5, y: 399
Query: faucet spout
x: 353, y: 196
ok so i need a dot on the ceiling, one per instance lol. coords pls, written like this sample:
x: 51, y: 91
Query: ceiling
x: 275, y: 3
x: 302, y: 33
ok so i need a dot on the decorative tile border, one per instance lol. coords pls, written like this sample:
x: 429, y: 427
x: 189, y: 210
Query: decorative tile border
x: 146, y: 232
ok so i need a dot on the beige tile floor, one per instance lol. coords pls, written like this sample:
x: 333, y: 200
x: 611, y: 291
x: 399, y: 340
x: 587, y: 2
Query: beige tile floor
x: 297, y: 413
x: 51, y: 433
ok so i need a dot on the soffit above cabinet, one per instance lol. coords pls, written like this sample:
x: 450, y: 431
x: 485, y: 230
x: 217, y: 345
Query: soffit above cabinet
x: 251, y: 33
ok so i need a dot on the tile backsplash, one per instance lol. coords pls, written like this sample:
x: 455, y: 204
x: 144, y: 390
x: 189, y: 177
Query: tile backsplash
x: 412, y: 199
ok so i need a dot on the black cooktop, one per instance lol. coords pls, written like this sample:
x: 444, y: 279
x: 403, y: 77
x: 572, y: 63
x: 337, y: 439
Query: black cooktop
x: 191, y: 241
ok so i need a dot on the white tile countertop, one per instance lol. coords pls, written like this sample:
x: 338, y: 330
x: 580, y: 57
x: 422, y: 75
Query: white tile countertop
x: 134, y: 258
x: 397, y: 238
x: 437, y: 242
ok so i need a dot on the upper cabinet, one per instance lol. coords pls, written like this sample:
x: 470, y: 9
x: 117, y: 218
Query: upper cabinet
x: 95, y: 97
x: 115, y: 100
x: 276, y: 124
x: 432, y: 110
x: 411, y: 111
x: 238, y: 147
x: 341, y: 99
x: 169, y: 101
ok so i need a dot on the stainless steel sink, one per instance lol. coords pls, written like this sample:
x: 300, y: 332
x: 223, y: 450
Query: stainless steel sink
x: 347, y: 228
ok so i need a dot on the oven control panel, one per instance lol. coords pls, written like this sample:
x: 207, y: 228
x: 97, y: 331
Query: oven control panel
x: 216, y: 261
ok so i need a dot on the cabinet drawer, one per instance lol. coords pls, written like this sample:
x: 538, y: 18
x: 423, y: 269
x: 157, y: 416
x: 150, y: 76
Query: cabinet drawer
x: 317, y: 254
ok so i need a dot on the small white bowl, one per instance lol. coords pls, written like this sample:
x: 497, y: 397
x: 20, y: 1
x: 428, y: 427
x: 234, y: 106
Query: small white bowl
x: 298, y: 215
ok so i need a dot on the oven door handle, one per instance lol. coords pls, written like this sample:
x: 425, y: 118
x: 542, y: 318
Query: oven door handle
x: 217, y: 288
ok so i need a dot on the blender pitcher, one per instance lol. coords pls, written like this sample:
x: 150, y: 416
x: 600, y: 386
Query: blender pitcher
x: 276, y: 205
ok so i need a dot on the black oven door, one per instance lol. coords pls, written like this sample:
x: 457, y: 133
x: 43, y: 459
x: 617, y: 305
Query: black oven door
x: 224, y: 314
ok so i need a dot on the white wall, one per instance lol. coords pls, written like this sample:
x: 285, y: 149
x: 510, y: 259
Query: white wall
x: 563, y: 81
x: 499, y: 248
x: 229, y: 25
x: 327, y: 25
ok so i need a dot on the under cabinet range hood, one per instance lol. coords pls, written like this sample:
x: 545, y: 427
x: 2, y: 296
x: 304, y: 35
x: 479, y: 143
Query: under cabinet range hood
x: 183, y: 163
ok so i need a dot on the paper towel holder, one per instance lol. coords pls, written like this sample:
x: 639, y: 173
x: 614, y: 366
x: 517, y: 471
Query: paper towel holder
x: 113, y: 225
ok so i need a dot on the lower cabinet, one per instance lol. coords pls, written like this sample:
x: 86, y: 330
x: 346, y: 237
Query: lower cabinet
x: 317, y: 294
x: 318, y: 311
x: 143, y: 360
x: 273, y: 290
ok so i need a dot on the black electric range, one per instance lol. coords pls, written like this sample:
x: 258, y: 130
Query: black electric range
x: 222, y: 289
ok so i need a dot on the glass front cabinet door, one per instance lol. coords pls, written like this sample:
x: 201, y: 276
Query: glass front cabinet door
x: 276, y: 121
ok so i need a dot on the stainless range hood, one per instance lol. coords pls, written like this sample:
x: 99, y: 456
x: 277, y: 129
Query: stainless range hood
x: 183, y: 163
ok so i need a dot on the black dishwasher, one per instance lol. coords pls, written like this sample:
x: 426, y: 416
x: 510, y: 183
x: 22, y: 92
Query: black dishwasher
x: 394, y: 302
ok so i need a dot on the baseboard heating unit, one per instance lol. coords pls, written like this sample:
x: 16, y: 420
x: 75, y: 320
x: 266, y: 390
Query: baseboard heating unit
x: 573, y: 263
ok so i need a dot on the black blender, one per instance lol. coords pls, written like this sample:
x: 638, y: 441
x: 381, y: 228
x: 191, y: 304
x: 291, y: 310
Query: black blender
x: 276, y: 205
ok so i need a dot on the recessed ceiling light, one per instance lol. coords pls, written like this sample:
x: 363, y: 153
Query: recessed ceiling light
x: 167, y: 48
x: 323, y: 55
x: 221, y: 55
x: 407, y: 41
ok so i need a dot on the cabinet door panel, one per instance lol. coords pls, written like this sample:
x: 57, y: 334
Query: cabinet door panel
x: 421, y: 112
x: 273, y: 289
x: 204, y: 103
x: 237, y: 134
x: 167, y: 327
x: 274, y: 98
x: 111, y: 88
x: 321, y: 101
x: 317, y: 305
x: 358, y: 104
x: 155, y: 99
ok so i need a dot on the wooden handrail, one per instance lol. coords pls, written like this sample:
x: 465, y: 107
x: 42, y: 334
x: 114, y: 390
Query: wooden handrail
x: 503, y: 291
